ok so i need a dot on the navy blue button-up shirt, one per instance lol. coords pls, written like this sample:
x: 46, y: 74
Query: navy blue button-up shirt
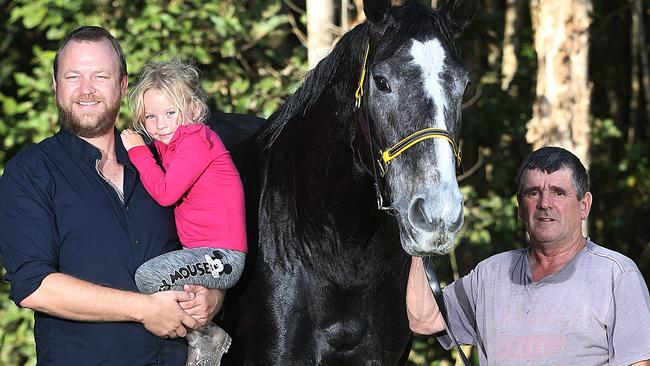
x: 57, y: 214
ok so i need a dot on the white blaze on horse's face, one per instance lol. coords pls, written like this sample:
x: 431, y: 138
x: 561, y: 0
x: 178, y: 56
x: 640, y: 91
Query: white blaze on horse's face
x: 436, y: 212
x: 430, y: 57
x: 422, y: 182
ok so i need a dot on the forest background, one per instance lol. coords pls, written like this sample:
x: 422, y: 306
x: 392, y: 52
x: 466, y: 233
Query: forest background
x: 254, y: 53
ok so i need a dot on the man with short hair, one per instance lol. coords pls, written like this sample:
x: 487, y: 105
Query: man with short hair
x: 75, y: 224
x: 563, y: 300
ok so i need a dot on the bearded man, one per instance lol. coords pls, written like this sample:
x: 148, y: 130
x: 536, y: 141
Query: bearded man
x: 75, y: 224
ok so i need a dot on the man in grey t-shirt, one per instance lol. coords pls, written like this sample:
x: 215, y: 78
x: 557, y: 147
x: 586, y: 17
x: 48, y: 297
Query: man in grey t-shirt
x: 562, y: 301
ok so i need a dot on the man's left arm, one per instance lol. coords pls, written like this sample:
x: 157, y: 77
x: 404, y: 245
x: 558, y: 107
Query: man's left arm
x: 205, y: 304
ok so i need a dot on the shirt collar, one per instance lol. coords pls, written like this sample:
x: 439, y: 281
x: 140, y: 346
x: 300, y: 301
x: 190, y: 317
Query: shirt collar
x: 89, y: 152
x: 120, y: 151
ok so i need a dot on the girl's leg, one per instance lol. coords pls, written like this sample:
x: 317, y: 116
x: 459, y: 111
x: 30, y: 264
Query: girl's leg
x: 209, y: 267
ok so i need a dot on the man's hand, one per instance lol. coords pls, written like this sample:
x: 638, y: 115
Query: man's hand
x: 164, y: 317
x: 205, y: 304
x: 131, y: 139
x: 161, y: 313
x: 421, y: 307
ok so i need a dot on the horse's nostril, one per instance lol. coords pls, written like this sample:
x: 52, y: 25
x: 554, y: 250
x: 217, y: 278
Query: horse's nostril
x: 434, y: 215
x: 457, y: 224
x: 418, y: 215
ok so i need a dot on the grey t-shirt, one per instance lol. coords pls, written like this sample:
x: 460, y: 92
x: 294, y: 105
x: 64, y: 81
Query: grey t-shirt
x: 594, y: 311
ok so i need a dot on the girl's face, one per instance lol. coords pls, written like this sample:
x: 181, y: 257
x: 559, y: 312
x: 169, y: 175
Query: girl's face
x: 161, y: 118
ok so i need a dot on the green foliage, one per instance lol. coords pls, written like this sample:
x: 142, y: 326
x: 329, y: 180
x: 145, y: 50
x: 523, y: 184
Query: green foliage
x: 620, y: 183
x: 16, y: 332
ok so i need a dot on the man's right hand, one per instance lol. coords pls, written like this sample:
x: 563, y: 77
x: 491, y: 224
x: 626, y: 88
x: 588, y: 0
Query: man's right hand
x: 68, y: 297
x: 421, y: 307
x: 163, y: 316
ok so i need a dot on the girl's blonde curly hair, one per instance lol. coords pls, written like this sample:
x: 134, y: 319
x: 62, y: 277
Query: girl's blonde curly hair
x: 179, y: 81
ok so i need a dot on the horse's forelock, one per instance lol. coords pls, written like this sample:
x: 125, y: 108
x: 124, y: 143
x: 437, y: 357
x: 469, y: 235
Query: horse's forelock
x: 411, y: 21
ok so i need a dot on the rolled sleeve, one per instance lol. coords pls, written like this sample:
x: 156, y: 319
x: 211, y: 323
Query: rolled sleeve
x: 28, y: 236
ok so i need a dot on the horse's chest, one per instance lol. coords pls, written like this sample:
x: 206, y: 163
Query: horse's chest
x: 334, y: 309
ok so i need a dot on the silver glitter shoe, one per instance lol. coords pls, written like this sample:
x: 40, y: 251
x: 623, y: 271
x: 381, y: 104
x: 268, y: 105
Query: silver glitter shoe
x: 207, y: 345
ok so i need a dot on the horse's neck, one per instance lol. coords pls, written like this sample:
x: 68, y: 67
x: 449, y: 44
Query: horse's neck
x: 327, y: 159
x: 313, y: 174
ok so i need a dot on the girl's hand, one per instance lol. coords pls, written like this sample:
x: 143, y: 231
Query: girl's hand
x: 131, y: 139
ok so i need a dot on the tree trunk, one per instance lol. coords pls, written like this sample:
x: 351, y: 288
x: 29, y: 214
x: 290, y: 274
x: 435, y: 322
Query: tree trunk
x: 562, y: 102
x: 643, y: 52
x: 321, y: 15
x: 640, y: 75
x: 512, y: 26
x: 345, y: 16
x: 491, y: 9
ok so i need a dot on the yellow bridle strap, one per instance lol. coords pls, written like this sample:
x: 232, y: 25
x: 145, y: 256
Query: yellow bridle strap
x: 359, y: 93
x: 407, y: 142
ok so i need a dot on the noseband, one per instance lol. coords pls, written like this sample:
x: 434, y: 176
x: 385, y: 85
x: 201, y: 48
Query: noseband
x: 412, y: 139
x: 386, y: 156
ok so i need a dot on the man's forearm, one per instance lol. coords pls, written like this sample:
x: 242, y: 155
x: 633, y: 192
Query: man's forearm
x: 422, y: 310
x: 71, y: 298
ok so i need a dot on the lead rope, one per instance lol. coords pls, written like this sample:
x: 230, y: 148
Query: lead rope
x: 440, y: 300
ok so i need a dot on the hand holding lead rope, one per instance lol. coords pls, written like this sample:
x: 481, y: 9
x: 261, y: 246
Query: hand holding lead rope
x: 434, y: 284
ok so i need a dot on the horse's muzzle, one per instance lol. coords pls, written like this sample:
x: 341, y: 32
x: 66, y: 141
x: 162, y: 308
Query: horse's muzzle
x: 431, y: 222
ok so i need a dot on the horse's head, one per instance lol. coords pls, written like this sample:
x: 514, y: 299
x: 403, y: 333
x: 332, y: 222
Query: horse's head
x: 414, y: 84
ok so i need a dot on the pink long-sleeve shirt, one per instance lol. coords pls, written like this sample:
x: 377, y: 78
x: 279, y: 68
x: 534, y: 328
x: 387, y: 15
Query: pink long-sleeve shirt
x: 200, y: 179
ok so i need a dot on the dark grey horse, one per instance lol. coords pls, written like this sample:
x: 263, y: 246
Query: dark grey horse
x: 325, y: 283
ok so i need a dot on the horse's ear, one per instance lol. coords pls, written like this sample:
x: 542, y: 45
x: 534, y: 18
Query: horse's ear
x: 459, y: 13
x: 376, y: 10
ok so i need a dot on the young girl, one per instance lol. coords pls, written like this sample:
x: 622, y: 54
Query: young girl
x: 199, y: 179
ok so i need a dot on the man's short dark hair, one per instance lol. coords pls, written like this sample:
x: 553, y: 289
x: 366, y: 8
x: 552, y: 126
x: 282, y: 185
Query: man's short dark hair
x: 551, y: 159
x: 91, y: 33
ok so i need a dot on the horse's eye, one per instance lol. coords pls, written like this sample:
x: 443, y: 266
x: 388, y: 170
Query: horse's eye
x: 382, y: 84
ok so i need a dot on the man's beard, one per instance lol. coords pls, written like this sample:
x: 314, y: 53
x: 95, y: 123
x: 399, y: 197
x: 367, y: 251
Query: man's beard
x: 101, y: 125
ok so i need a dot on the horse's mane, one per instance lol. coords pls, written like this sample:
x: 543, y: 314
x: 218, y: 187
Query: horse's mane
x: 405, y: 22
x: 315, y: 82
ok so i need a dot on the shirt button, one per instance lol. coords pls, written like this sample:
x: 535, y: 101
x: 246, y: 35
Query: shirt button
x: 136, y: 242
